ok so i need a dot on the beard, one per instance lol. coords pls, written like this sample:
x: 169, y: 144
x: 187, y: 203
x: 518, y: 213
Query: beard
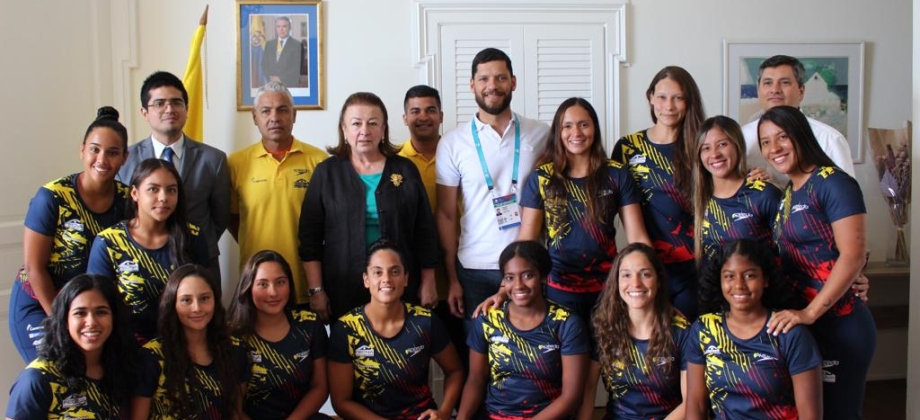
x: 502, y: 107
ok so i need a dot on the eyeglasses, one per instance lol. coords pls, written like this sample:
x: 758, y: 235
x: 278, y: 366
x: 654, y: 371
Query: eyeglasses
x: 159, y: 105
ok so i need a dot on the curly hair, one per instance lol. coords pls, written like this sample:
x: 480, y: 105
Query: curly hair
x: 180, y: 235
x: 118, y: 353
x: 242, y: 313
x: 777, y: 296
x: 178, y: 365
x: 611, y: 316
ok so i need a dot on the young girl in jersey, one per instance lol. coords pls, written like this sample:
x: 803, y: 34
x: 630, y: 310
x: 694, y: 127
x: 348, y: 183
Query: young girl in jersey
x: 641, y: 342
x: 821, y: 235
x: 141, y: 252
x: 529, y: 355
x: 86, y: 366
x: 660, y: 160
x: 737, y: 367
x: 727, y: 205
x: 63, y: 218
x: 286, y: 347
x: 194, y: 369
x: 379, y: 353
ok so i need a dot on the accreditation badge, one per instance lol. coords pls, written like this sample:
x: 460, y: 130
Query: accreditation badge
x: 507, y: 211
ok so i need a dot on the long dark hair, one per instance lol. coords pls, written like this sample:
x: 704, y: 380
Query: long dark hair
x: 118, y: 352
x: 600, y: 208
x: 692, y: 119
x: 342, y: 149
x: 791, y: 120
x: 777, y: 296
x: 242, y: 313
x: 180, y: 235
x: 178, y: 366
x: 611, y: 316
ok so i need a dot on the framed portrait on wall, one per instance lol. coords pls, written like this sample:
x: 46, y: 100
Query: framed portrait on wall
x: 833, y: 83
x: 280, y: 40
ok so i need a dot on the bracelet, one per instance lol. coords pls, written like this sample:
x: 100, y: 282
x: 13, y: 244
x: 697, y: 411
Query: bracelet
x: 314, y: 290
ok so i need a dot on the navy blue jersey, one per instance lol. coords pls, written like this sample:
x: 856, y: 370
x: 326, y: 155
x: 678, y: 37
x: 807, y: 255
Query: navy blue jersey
x: 57, y: 211
x: 642, y: 392
x: 805, y: 237
x: 581, y: 248
x: 751, y: 379
x: 281, y: 371
x: 525, y: 367
x: 41, y: 392
x: 391, y: 374
x: 203, y: 389
x: 667, y: 212
x: 141, y: 273
x: 749, y: 214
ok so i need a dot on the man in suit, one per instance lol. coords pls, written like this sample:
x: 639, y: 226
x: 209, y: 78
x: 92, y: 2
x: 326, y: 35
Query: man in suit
x: 283, y: 66
x: 203, y: 168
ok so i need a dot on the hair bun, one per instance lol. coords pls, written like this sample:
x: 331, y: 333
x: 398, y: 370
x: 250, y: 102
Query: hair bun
x: 107, y: 113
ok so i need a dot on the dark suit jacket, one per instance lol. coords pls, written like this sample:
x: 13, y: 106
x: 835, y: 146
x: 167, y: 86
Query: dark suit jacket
x: 287, y: 67
x: 206, y: 182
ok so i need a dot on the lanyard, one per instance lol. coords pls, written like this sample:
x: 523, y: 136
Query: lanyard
x: 482, y: 157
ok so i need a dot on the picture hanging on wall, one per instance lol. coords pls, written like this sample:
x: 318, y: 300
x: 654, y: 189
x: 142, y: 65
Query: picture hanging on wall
x: 833, y: 83
x: 280, y: 41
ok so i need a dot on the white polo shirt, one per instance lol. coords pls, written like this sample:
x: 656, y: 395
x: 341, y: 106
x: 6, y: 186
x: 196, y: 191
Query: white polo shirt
x: 457, y: 165
x: 831, y: 141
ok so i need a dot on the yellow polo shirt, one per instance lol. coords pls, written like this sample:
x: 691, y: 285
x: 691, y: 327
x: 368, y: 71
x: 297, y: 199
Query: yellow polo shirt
x: 425, y: 168
x: 267, y: 195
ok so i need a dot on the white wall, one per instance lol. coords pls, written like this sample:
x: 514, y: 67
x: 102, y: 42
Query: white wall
x: 50, y: 96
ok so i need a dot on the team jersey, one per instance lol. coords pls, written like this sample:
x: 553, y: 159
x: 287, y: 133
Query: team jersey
x: 41, y: 392
x: 57, y: 211
x: 581, y: 248
x: 141, y: 273
x: 203, y: 389
x: 805, y: 237
x: 749, y: 214
x: 281, y: 371
x: 751, y: 379
x: 525, y: 367
x: 391, y: 374
x: 642, y: 392
x: 666, y: 211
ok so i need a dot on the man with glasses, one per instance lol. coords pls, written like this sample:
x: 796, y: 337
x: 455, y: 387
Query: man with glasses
x: 203, y: 168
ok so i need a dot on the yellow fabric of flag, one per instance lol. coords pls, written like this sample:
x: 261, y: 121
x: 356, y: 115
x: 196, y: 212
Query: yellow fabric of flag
x: 194, y: 83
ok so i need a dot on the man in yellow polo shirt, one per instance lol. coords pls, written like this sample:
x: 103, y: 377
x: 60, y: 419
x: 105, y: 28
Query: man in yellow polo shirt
x: 268, y: 182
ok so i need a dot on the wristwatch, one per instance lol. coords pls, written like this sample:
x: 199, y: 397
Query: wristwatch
x: 314, y: 290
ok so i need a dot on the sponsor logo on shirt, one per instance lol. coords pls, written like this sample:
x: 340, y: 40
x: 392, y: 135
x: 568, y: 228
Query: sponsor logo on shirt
x: 546, y: 348
x: 255, y: 357
x: 829, y: 377
x: 712, y: 351
x: 741, y: 216
x: 302, y: 183
x: 300, y: 171
x: 128, y: 267
x: 30, y: 327
x: 604, y: 193
x: 74, y: 224
x: 255, y: 180
x: 364, y: 351
x: 829, y: 363
x: 412, y: 351
x: 302, y: 356
x: 637, y: 160
x: 763, y: 357
x: 499, y: 339
x: 661, y: 361
x: 74, y: 401
x: 799, y: 207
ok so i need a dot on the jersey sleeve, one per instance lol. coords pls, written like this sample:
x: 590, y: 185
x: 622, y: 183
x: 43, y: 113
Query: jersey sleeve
x: 199, y: 252
x: 149, y: 372
x: 240, y: 360
x: 30, y: 396
x: 694, y: 353
x: 619, y: 155
x: 573, y: 337
x: 530, y: 196
x: 800, y: 350
x: 475, y: 339
x: 439, y: 337
x: 769, y: 203
x: 318, y: 346
x: 99, y: 260
x: 682, y: 345
x: 42, y: 216
x: 629, y: 193
x: 338, y: 344
x: 841, y: 195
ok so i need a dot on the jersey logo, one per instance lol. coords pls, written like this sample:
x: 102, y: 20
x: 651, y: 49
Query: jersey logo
x: 412, y: 351
x: 300, y: 171
x: 255, y: 180
x: 763, y: 357
x: 799, y: 207
x: 604, y: 193
x: 661, y: 361
x: 637, y: 160
x: 128, y: 267
x: 546, y: 348
x: 364, y: 351
x: 74, y: 401
x: 255, y: 357
x: 74, y: 224
x: 829, y: 377
x: 499, y: 339
x: 712, y: 351
x: 741, y: 216
x: 301, y: 183
x: 829, y: 363
x: 302, y: 356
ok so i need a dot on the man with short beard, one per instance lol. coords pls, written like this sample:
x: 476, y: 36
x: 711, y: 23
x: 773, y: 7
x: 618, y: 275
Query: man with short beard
x: 486, y: 163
